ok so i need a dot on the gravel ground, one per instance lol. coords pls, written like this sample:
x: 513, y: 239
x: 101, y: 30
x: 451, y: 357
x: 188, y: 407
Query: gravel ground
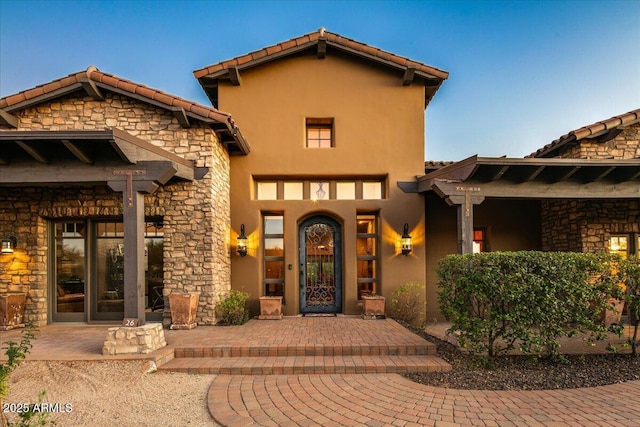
x: 111, y: 393
x: 527, y: 373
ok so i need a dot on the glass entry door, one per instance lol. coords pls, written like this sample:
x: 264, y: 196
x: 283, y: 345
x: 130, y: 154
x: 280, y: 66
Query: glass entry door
x: 320, y: 240
x: 88, y: 271
x: 70, y: 277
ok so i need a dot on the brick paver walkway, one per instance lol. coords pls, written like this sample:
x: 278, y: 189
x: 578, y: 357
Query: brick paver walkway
x: 392, y: 400
x: 375, y: 399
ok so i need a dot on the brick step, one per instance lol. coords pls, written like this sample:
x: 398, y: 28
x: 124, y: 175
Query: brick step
x: 307, y: 365
x: 421, y: 349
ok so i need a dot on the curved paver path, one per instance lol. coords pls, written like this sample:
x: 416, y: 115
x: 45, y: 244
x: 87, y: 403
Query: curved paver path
x: 390, y: 399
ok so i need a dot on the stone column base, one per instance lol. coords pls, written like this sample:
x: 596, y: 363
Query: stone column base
x: 139, y: 340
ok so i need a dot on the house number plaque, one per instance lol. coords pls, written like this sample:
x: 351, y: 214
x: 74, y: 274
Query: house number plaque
x: 130, y: 322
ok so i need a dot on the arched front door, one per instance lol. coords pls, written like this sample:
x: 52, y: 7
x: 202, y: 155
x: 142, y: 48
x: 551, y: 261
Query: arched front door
x: 320, y: 240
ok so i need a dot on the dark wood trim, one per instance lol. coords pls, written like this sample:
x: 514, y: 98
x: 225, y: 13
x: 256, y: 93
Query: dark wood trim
x: 263, y: 60
x: 45, y: 97
x: 77, y: 151
x: 234, y: 76
x: 78, y: 173
x: 609, y: 135
x: 535, y: 174
x: 569, y: 174
x: 33, y: 152
x: 322, y: 48
x: 499, y: 174
x: 604, y: 174
x: 9, y: 120
x: 92, y: 90
x: 541, y: 190
x: 181, y: 115
x: 407, y: 78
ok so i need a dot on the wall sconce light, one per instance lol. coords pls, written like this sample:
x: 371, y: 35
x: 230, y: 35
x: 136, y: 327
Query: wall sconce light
x: 406, y: 240
x: 241, y: 246
x: 8, y: 245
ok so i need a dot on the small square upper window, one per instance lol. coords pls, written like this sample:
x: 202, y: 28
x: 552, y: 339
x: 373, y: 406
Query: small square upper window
x: 319, y: 133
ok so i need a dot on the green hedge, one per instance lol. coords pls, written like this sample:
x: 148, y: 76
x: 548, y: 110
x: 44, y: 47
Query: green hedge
x: 630, y: 270
x: 500, y: 300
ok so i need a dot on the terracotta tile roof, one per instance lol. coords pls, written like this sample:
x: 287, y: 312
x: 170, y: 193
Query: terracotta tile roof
x: 115, y: 82
x: 92, y: 75
x: 294, y: 45
x: 431, y: 165
x: 589, y: 131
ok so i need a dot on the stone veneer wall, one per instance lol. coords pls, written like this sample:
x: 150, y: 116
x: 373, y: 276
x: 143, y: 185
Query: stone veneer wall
x: 624, y: 146
x: 585, y: 225
x: 196, y: 215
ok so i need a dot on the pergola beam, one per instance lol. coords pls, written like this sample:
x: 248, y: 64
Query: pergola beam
x: 499, y: 174
x: 542, y: 190
x: 33, y: 152
x: 77, y: 151
x: 568, y: 174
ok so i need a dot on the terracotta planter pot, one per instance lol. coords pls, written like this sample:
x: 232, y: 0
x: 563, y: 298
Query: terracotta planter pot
x: 183, y: 310
x: 373, y: 307
x: 12, y: 310
x: 270, y: 308
x: 612, y: 316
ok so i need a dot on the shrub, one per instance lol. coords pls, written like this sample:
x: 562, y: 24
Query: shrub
x: 407, y: 303
x: 499, y: 299
x: 630, y: 269
x: 16, y: 353
x: 232, y: 309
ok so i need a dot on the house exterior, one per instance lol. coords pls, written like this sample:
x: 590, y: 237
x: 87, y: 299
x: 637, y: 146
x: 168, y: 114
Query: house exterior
x: 316, y: 210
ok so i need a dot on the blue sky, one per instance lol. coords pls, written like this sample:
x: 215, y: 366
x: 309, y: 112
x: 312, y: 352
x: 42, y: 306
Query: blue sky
x: 522, y: 73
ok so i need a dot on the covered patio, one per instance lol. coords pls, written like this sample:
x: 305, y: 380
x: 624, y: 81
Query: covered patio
x: 125, y: 164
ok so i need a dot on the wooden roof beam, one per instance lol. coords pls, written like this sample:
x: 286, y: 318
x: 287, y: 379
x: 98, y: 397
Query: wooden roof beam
x: 322, y: 49
x: 535, y: 174
x: 77, y: 151
x: 37, y: 156
x: 181, y: 115
x: 92, y: 90
x: 7, y: 119
x: 499, y: 174
x: 234, y: 75
x: 604, y: 174
x: 409, y: 74
x: 609, y: 135
x: 569, y: 174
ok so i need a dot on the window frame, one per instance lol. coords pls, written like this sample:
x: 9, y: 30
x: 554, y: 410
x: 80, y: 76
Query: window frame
x: 375, y: 280
x: 325, y: 123
x: 270, y: 258
x: 633, y: 244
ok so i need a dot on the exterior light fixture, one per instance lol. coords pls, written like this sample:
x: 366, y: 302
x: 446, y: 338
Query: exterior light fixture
x: 8, y: 245
x: 241, y: 246
x: 406, y: 240
x: 320, y: 193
